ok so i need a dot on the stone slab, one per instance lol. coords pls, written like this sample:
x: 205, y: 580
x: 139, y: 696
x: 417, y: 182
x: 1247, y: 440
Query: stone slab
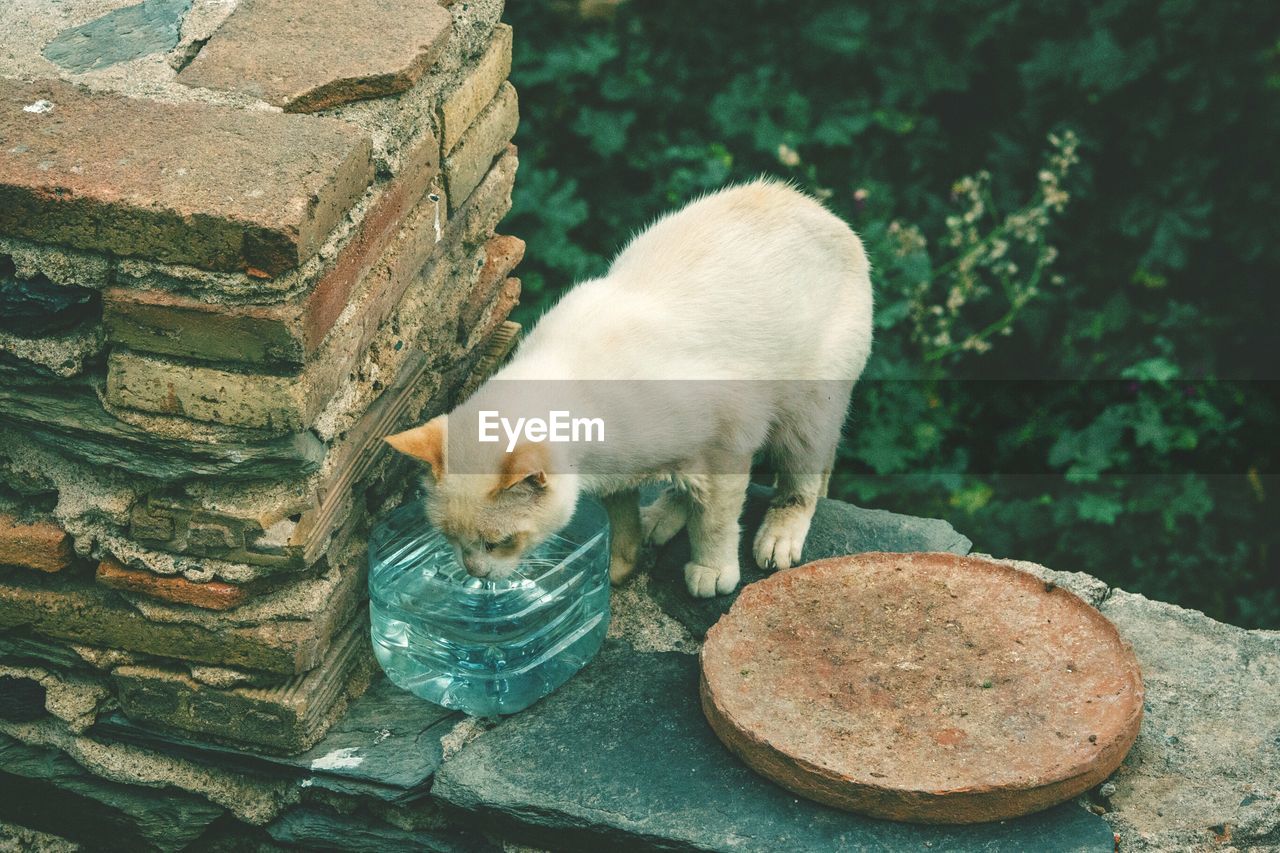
x: 70, y: 420
x: 315, y: 827
x: 476, y: 90
x: 838, y: 528
x: 483, y: 142
x: 305, y: 57
x: 234, y: 190
x: 501, y: 255
x: 45, y: 789
x: 41, y: 545
x: 212, y: 595
x: 1204, y: 773
x: 150, y: 26
x: 288, y: 717
x: 250, y: 798
x: 84, y: 612
x: 386, y: 746
x: 886, y: 683
x: 289, y: 333
x: 622, y: 757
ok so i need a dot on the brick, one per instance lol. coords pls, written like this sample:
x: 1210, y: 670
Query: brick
x: 288, y: 717
x: 502, y: 254
x: 42, y: 545
x: 281, y: 404
x: 461, y: 106
x: 500, y: 308
x: 487, y: 137
x: 304, y: 56
x: 171, y: 324
x: 213, y: 595
x: 234, y: 190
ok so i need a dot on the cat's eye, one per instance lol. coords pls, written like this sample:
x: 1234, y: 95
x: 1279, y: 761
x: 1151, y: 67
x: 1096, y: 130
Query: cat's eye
x: 503, y: 543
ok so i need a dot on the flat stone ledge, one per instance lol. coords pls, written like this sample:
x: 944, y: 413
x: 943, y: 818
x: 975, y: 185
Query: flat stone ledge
x: 386, y: 747
x: 234, y: 190
x: 621, y: 756
x: 1204, y: 773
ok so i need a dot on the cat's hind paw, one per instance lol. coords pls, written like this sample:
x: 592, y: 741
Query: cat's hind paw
x: 661, y: 520
x: 780, y: 539
x: 708, y: 582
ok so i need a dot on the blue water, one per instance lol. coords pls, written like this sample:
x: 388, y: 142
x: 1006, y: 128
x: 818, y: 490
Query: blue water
x: 480, y: 646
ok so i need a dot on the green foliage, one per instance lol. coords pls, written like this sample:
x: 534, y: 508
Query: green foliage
x: 1052, y: 335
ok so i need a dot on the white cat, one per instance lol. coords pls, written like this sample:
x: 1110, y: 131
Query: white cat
x: 759, y: 295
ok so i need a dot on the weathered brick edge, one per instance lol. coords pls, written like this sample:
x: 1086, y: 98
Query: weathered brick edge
x: 213, y: 595
x: 236, y: 190
x: 41, y: 545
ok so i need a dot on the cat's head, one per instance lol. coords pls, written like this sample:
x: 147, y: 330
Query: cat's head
x: 499, y: 505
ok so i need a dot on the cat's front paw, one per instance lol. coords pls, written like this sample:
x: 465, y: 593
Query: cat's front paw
x: 708, y: 582
x: 780, y: 538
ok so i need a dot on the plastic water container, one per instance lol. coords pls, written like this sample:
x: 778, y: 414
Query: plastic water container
x: 480, y: 646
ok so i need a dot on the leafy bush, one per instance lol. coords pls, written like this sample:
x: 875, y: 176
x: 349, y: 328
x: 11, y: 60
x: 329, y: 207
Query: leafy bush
x: 1073, y: 353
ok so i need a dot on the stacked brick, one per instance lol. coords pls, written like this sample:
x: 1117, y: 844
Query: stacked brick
x: 217, y: 295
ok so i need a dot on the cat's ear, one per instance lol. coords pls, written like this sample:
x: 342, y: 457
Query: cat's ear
x: 526, y: 465
x: 425, y: 443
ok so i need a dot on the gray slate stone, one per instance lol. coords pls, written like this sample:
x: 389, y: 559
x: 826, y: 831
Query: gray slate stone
x: 622, y: 758
x: 386, y: 746
x: 152, y: 26
x: 316, y: 828
x: 68, y: 417
x: 838, y: 528
x: 46, y: 790
x: 1204, y: 773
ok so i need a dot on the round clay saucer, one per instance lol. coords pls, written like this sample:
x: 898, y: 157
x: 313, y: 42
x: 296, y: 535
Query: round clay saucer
x: 921, y: 687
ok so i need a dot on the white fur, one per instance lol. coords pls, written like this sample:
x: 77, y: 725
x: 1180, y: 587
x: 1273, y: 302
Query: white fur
x: 755, y: 282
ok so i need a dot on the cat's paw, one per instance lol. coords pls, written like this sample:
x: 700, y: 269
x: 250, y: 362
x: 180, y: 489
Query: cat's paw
x: 708, y: 582
x: 620, y: 568
x: 661, y: 520
x: 780, y: 538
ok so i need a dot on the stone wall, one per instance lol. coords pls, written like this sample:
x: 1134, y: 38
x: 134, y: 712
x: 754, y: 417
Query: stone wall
x: 622, y: 758
x: 240, y: 242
